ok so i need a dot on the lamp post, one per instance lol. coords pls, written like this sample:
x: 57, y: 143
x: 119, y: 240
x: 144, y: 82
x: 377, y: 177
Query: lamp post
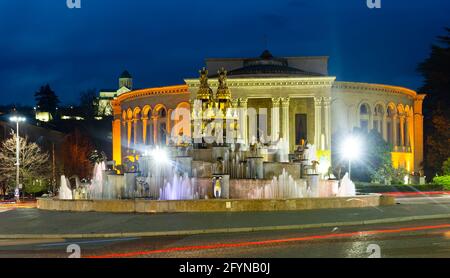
x: 351, y: 149
x: 17, y: 120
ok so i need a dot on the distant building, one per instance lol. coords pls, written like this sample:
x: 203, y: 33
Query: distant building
x: 105, y: 96
x: 303, y: 101
x: 44, y: 116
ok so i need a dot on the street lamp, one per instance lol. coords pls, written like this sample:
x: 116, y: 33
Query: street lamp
x: 17, y: 120
x: 351, y: 149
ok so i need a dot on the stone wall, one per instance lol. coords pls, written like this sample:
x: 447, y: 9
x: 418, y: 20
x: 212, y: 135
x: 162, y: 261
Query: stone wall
x: 145, y: 206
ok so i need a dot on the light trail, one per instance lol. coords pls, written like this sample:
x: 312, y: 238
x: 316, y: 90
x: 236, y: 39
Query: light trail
x: 268, y: 242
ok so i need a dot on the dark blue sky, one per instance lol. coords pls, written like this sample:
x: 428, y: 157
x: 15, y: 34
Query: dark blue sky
x: 162, y: 42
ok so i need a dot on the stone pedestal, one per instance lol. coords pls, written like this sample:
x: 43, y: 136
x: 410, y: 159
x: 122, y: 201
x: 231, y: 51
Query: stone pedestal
x: 130, y: 185
x: 313, y: 184
x: 422, y: 180
x: 255, y: 167
x: 222, y: 152
x: 117, y: 184
x: 184, y: 165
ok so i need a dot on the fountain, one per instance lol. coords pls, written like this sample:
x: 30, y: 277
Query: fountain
x: 98, y: 180
x: 181, y: 188
x: 222, y: 173
x: 281, y: 187
x: 65, y: 193
x: 347, y: 187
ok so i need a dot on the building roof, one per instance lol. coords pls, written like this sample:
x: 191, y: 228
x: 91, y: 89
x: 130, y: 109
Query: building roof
x: 267, y: 65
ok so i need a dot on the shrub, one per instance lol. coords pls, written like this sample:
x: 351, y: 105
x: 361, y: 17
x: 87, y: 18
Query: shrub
x: 443, y: 180
x: 446, y: 167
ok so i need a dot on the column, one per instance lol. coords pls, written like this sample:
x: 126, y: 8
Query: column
x: 144, y: 130
x: 275, y: 119
x: 135, y: 133
x: 317, y: 121
x: 243, y: 102
x: 327, y: 122
x: 395, y: 132
x: 117, y: 145
x: 402, y: 131
x: 234, y: 111
x: 124, y: 137
x: 155, y: 129
x: 409, y: 130
x: 129, y: 122
x: 384, y: 127
x: 168, y: 125
x: 285, y: 120
x: 418, y: 132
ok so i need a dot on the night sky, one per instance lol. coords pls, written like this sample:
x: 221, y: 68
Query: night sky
x: 162, y: 42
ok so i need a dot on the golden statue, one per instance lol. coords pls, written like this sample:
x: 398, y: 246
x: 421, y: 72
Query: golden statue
x: 204, y: 91
x: 223, y: 93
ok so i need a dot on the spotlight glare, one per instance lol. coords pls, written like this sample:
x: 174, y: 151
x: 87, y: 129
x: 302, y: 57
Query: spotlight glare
x: 159, y: 155
x: 351, y: 148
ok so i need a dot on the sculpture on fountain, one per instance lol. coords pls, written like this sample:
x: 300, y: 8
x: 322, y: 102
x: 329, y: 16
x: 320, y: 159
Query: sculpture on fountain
x: 213, y: 167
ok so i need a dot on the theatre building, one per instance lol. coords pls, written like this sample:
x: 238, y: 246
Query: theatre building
x: 295, y: 99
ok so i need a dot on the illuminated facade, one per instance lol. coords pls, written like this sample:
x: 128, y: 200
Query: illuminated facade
x: 293, y: 98
x: 107, y: 95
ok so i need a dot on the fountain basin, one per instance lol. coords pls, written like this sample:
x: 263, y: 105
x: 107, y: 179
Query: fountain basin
x: 216, y: 205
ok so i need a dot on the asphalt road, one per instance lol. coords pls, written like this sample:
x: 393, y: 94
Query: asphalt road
x: 445, y: 200
x: 423, y: 239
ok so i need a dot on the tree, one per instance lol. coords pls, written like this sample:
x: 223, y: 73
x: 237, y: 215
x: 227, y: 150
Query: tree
x: 46, y: 99
x: 437, y: 142
x: 436, y: 72
x: 76, y: 150
x: 34, y: 163
x: 89, y: 104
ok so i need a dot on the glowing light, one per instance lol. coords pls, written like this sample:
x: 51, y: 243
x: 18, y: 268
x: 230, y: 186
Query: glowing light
x: 159, y: 155
x: 17, y: 119
x: 324, y: 165
x: 351, y: 148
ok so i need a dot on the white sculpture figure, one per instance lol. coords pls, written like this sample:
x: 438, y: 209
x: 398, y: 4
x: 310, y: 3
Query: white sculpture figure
x: 217, y: 189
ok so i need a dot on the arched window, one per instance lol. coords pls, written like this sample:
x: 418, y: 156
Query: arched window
x: 162, y: 113
x: 390, y: 124
x: 364, y: 117
x: 161, y: 128
x: 378, y: 119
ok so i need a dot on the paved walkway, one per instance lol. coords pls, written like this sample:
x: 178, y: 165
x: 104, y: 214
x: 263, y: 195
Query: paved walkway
x: 37, y: 222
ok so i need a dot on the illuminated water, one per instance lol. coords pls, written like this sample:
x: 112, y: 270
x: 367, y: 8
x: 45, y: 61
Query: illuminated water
x: 65, y: 193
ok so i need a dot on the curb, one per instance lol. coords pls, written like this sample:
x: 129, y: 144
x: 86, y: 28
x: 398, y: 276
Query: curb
x: 225, y: 230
